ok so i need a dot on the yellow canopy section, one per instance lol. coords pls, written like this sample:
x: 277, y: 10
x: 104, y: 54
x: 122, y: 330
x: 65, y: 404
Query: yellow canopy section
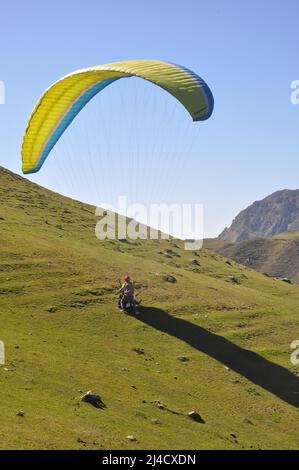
x: 61, y: 103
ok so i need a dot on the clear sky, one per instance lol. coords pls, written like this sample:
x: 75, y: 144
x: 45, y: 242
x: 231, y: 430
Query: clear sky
x: 247, y: 51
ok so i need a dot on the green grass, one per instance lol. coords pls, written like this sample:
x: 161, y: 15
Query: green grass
x: 51, y: 258
x: 291, y: 235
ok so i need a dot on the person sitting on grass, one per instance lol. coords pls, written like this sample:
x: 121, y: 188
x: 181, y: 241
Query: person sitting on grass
x: 127, y: 292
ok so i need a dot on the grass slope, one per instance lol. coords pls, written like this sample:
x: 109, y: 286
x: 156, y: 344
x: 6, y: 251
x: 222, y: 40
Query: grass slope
x: 277, y: 256
x: 64, y: 336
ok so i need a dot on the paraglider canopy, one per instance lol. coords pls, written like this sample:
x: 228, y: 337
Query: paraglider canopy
x: 63, y: 100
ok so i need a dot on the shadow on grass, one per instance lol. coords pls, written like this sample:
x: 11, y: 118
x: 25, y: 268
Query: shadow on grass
x: 272, y: 377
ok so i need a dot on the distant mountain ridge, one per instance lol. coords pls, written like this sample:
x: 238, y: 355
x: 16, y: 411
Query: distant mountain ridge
x: 274, y: 214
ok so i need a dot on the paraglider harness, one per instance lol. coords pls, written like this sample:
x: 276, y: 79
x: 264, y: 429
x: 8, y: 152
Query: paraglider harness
x: 128, y: 303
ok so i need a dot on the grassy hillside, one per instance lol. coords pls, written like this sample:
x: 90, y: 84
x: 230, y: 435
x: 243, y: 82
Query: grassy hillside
x: 286, y: 236
x: 277, y: 256
x: 64, y: 336
x: 214, y: 243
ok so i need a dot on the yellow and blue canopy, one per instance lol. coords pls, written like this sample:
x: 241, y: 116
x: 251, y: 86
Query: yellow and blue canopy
x: 63, y: 100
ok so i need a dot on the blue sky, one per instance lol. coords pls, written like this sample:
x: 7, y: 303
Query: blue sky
x: 247, y: 53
